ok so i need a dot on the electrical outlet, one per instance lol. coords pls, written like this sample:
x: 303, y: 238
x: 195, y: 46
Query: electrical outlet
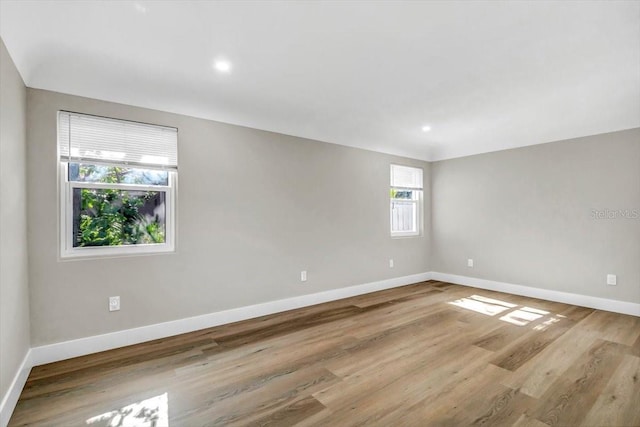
x: 612, y: 279
x: 114, y: 303
x: 469, y: 262
x: 303, y: 276
x: 390, y: 263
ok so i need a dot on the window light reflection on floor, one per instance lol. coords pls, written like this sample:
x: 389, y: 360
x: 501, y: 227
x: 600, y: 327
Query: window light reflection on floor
x: 544, y: 325
x: 519, y: 316
x: 523, y: 316
x: 152, y: 412
x: 480, y: 304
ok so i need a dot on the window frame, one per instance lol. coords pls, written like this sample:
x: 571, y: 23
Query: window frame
x: 65, y: 187
x: 417, y: 202
x: 68, y: 251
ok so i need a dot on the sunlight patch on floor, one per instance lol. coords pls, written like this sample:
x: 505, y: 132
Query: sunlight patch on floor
x: 483, y: 305
x: 544, y: 325
x: 523, y: 316
x: 152, y: 412
x: 511, y: 313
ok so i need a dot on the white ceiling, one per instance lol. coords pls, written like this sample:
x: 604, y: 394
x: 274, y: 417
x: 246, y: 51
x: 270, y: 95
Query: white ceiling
x: 484, y: 75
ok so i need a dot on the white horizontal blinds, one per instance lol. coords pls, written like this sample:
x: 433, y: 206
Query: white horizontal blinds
x: 406, y: 177
x: 84, y: 138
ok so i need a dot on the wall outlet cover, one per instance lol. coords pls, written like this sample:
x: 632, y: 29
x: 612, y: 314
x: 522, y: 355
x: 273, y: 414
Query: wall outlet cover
x: 612, y: 279
x: 114, y: 303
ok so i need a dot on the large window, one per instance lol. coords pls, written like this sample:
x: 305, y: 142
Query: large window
x: 118, y: 185
x: 406, y: 201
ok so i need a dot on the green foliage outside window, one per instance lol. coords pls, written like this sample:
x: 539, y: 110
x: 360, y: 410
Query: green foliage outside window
x: 401, y: 194
x: 115, y: 217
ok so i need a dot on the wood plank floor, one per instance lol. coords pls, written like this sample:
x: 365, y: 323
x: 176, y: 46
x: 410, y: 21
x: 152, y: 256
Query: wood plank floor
x: 429, y: 354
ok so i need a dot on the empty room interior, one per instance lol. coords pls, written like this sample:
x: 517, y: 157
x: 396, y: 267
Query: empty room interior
x: 319, y: 213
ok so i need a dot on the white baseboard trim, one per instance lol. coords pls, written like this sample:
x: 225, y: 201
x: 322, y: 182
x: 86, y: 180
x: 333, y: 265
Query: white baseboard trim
x: 10, y: 399
x: 93, y: 344
x: 547, y: 294
x: 83, y: 346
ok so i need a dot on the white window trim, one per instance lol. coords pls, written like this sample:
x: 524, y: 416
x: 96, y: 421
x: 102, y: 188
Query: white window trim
x: 67, y: 251
x: 418, y: 203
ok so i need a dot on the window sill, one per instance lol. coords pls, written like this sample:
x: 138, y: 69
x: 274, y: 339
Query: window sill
x: 91, y: 253
x: 405, y: 235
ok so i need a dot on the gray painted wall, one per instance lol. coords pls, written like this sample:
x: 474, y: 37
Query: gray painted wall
x: 235, y: 245
x: 525, y: 215
x: 14, y: 291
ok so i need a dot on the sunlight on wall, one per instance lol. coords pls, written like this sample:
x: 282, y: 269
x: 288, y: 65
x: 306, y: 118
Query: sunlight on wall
x: 152, y: 412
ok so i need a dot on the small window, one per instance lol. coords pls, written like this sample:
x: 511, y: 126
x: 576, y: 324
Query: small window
x: 118, y: 185
x: 406, y: 201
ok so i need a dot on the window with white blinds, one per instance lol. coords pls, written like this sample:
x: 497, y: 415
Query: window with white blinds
x: 405, y: 201
x: 118, y: 186
x: 86, y: 138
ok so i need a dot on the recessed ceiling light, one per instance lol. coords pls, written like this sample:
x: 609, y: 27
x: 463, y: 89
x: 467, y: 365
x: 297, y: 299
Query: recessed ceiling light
x: 426, y: 128
x: 140, y: 7
x: 222, y: 65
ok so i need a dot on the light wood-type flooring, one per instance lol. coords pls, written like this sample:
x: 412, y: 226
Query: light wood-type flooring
x: 428, y: 354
